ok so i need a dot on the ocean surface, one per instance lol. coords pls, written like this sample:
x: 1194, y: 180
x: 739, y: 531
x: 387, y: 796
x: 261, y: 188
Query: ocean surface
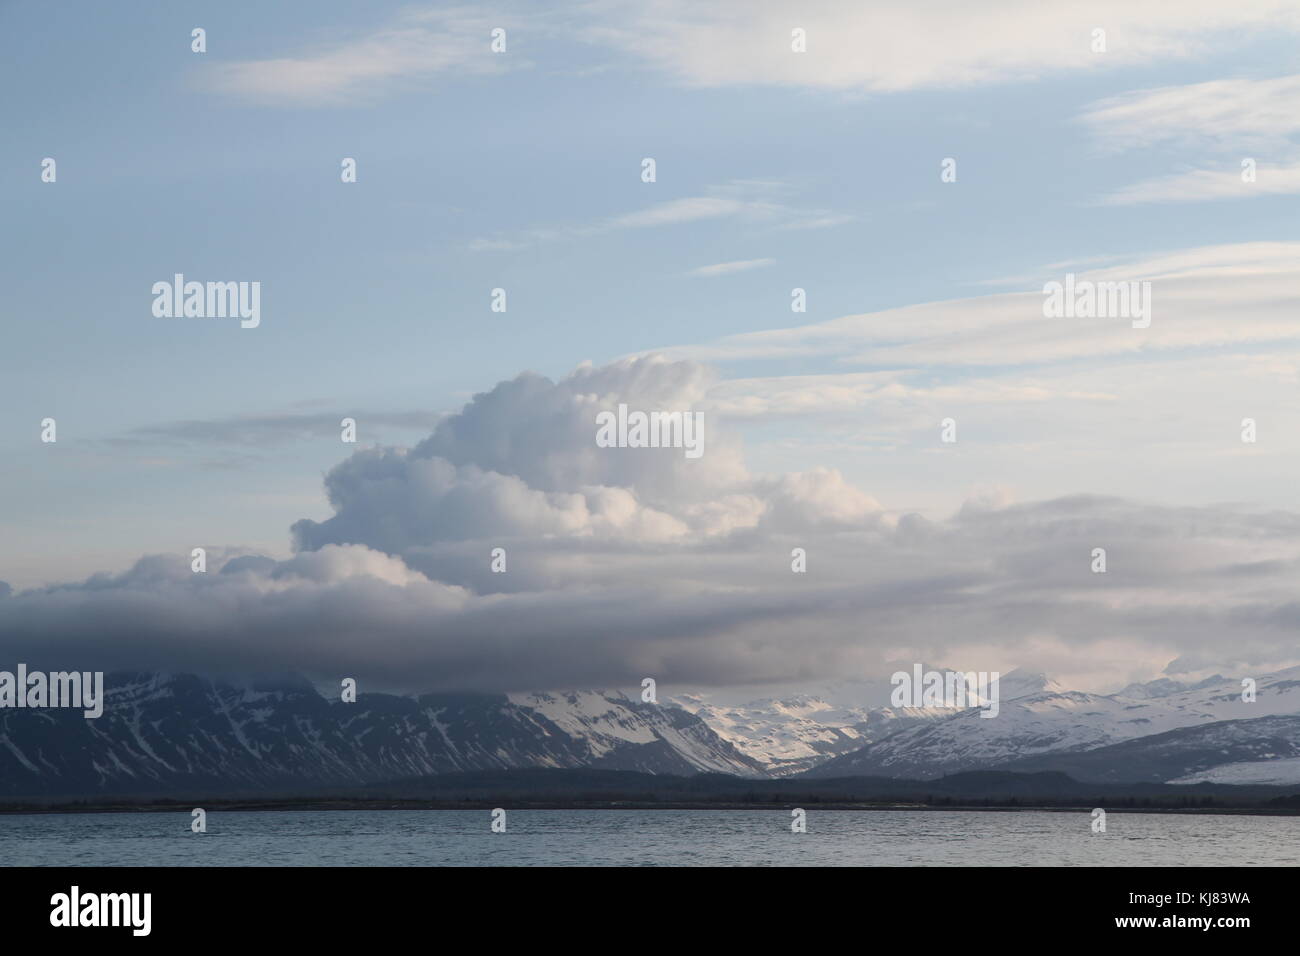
x: 646, y: 838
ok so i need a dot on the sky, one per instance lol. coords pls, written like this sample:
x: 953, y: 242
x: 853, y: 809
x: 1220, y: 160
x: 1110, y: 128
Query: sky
x: 775, y: 170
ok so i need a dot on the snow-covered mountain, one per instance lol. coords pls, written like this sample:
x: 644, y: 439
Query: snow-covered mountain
x: 783, y: 736
x: 1262, y: 750
x: 793, y: 734
x: 1061, y: 722
x: 1165, y: 687
x: 172, y: 733
x: 618, y: 733
x: 1018, y: 683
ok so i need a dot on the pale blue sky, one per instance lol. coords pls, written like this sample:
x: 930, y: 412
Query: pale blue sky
x: 374, y: 299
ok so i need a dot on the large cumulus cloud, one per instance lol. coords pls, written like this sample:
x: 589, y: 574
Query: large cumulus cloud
x: 520, y: 464
x: 626, y: 563
x: 521, y: 460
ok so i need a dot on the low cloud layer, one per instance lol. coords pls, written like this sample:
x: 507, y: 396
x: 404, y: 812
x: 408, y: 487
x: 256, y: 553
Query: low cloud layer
x: 624, y: 563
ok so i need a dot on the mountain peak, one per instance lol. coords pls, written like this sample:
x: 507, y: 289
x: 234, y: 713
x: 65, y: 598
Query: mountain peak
x: 1022, y: 683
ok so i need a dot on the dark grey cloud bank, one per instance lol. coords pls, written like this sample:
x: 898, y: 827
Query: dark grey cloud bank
x: 627, y: 563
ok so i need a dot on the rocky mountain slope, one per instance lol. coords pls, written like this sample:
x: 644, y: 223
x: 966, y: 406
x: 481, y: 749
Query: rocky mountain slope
x: 169, y: 733
x: 1064, y: 722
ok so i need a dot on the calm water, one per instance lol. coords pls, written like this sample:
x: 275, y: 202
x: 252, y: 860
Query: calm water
x: 645, y: 837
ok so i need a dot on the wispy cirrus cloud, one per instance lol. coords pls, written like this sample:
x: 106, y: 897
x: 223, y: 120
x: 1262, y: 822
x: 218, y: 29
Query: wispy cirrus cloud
x: 1046, y: 403
x: 418, y: 47
x: 729, y: 268
x: 894, y: 45
x: 1202, y: 185
x: 755, y: 203
x: 1243, y: 129
x: 268, y: 430
x: 1204, y: 297
x: 1230, y: 113
x: 889, y: 46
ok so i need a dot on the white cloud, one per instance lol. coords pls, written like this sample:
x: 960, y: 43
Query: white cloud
x: 749, y: 202
x: 727, y: 268
x: 1201, y: 185
x: 420, y: 45
x: 690, y: 209
x: 888, y: 46
x: 993, y: 585
x: 1235, y: 114
x: 622, y: 564
x: 895, y: 45
x: 871, y: 392
x: 1043, y: 405
x: 1204, y: 297
x: 1227, y: 121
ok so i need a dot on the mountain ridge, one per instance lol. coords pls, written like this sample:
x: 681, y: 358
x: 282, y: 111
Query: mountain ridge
x: 1055, y: 723
x: 164, y: 732
x: 160, y: 732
